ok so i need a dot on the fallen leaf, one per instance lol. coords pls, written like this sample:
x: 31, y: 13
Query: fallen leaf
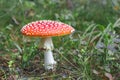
x: 108, y: 75
x: 95, y: 72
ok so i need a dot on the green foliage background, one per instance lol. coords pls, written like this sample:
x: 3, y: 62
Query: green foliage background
x: 93, y: 21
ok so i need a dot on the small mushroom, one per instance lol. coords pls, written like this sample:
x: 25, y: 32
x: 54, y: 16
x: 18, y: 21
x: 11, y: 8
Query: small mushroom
x: 47, y: 29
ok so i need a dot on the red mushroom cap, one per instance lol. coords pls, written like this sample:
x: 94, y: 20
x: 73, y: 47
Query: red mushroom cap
x: 46, y: 28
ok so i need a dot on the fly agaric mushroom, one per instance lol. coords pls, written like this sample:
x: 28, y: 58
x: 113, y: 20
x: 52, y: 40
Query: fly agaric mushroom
x: 47, y: 29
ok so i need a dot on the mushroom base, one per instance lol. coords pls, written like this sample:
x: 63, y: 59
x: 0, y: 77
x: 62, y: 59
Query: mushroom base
x: 49, y: 61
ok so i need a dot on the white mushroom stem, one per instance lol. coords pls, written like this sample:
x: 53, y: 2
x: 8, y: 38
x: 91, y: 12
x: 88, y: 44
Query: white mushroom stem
x: 49, y: 61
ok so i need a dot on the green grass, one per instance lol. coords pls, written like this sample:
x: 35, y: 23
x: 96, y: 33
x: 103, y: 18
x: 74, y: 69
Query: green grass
x: 92, y: 51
